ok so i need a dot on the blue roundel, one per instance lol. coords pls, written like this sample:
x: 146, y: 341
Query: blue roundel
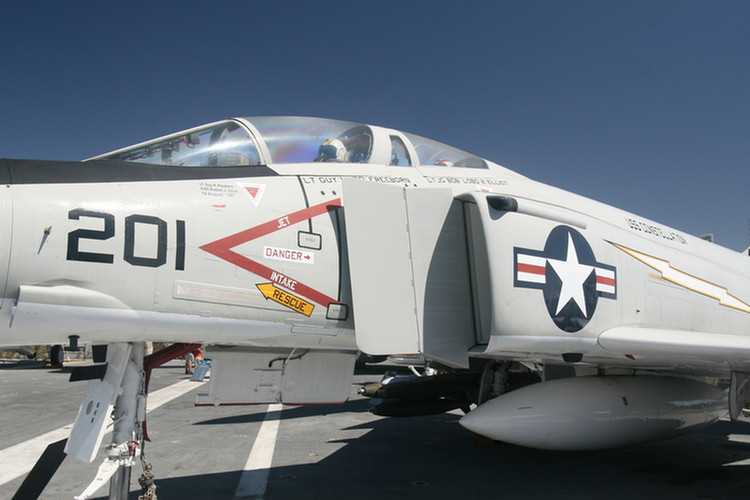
x: 569, y: 276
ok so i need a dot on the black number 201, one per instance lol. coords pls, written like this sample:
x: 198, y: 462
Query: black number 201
x: 90, y: 234
x: 131, y: 222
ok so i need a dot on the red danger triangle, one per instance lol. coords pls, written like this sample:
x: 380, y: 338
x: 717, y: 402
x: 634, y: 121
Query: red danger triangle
x: 222, y: 248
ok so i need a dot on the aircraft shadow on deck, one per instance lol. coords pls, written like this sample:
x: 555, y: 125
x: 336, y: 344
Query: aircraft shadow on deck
x: 435, y: 458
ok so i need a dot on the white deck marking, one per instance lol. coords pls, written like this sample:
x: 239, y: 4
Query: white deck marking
x: 254, y: 478
x: 19, y: 459
x: 170, y: 392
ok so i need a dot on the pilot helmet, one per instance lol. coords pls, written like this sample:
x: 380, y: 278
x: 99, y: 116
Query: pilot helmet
x: 332, y: 150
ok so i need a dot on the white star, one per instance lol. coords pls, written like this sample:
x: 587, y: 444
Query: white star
x: 573, y: 274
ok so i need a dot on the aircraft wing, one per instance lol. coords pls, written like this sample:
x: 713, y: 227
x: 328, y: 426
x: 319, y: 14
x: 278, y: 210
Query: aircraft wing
x: 680, y: 348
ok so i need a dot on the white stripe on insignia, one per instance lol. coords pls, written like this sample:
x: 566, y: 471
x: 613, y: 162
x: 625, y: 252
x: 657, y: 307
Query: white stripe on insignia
x: 608, y: 275
x: 532, y: 260
x: 532, y: 278
x: 524, y: 274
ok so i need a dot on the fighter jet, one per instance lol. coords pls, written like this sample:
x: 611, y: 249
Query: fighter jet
x: 289, y: 245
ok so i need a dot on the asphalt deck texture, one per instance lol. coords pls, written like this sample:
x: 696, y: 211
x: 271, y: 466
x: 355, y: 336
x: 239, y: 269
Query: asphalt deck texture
x: 345, y: 452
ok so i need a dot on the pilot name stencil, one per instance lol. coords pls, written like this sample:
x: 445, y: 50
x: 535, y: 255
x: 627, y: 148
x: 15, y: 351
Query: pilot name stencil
x: 218, y: 189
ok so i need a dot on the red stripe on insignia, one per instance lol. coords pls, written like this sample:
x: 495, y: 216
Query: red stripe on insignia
x: 528, y: 268
x: 605, y: 281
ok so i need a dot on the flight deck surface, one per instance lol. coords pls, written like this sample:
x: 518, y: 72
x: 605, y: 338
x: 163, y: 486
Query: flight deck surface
x: 342, y: 452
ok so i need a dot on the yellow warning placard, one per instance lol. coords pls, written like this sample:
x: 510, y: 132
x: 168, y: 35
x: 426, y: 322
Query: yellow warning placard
x: 271, y: 291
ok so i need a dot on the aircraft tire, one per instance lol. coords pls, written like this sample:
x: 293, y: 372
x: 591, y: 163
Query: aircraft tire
x: 57, y: 356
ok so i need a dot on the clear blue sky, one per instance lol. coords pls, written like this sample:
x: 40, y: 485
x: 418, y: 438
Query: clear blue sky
x: 644, y: 105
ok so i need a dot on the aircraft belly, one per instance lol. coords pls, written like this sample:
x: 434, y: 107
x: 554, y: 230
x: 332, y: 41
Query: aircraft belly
x: 292, y: 376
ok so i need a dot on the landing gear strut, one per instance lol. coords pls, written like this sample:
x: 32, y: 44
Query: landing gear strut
x: 117, y: 389
x: 127, y: 435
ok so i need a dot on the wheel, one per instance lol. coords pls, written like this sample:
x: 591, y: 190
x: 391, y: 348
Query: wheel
x: 57, y: 356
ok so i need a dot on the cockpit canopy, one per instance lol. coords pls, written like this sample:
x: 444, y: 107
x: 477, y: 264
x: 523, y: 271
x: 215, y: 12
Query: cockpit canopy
x: 219, y: 144
x: 284, y: 140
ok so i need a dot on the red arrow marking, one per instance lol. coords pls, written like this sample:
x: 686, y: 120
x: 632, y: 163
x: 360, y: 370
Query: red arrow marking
x: 222, y: 249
